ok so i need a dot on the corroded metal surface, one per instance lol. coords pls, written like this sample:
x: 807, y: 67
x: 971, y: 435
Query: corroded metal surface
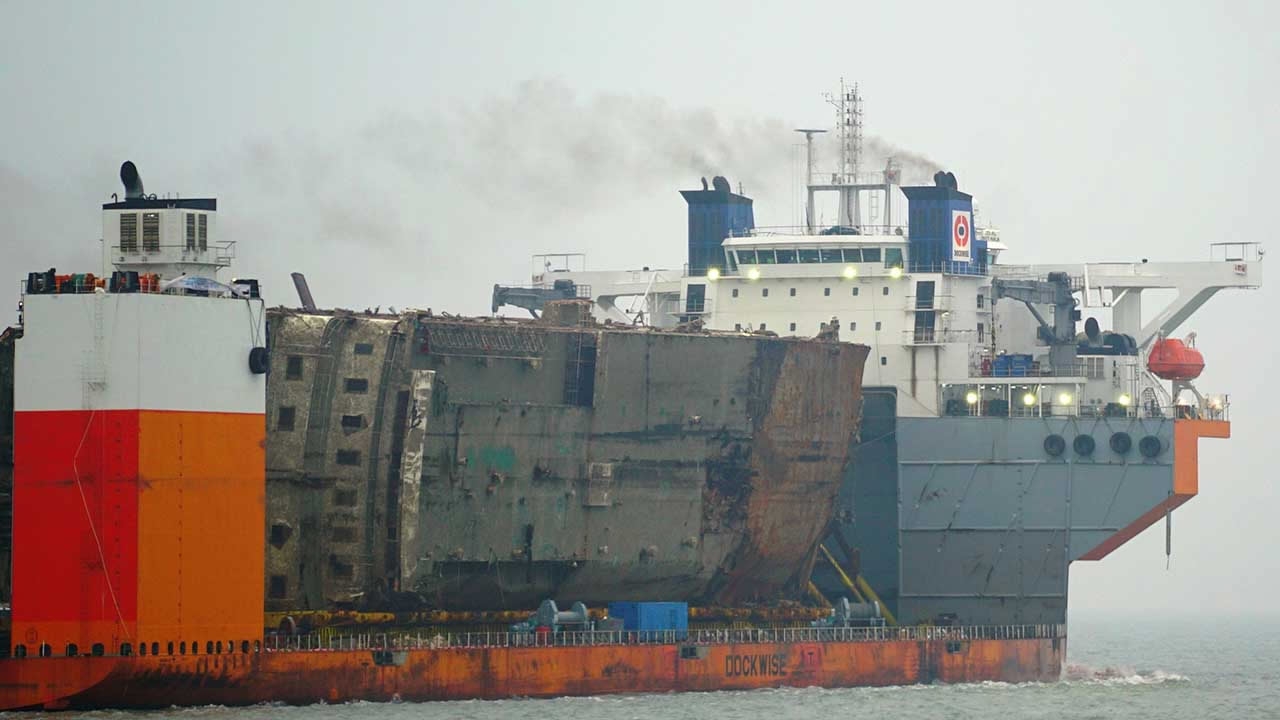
x: 307, y: 677
x: 579, y: 462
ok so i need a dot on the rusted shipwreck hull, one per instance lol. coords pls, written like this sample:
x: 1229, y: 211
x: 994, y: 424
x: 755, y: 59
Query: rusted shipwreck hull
x: 475, y: 464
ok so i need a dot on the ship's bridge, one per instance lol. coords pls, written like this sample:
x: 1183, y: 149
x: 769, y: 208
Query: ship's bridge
x: 793, y: 252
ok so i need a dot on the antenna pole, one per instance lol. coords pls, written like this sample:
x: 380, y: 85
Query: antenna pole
x: 808, y: 178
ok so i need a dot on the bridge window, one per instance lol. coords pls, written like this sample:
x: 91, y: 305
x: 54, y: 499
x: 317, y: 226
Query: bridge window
x: 765, y: 257
x: 809, y: 256
x: 151, y: 232
x: 853, y: 255
x: 129, y: 232
x: 786, y: 257
x: 831, y: 255
x: 871, y: 255
x: 893, y: 257
x: 746, y: 257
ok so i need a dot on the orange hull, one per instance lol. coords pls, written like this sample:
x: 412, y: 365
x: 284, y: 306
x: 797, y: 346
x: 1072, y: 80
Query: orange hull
x: 305, y: 677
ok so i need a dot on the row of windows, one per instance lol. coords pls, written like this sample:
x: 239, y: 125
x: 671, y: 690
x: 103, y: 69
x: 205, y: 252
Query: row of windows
x: 211, y: 647
x: 853, y: 326
x: 197, y: 235
x: 891, y: 257
x: 286, y: 416
x: 826, y: 292
x: 293, y: 363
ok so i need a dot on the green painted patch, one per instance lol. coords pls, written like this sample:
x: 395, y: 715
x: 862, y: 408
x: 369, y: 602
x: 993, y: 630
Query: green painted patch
x: 502, y: 457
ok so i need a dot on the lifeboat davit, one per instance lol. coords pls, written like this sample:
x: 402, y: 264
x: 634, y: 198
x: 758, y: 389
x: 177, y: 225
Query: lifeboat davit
x: 1172, y: 359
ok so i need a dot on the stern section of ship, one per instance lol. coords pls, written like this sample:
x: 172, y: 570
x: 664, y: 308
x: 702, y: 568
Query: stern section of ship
x: 977, y: 519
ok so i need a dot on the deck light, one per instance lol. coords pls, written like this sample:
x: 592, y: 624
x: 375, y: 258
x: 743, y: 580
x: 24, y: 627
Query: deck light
x: 850, y: 272
x: 895, y: 273
x: 1029, y: 399
x: 971, y: 397
x: 1124, y: 399
x: 713, y: 274
x: 753, y: 274
x: 1064, y: 399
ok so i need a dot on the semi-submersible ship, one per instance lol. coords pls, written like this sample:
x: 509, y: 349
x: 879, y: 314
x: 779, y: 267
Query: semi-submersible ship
x: 1004, y: 434
x: 215, y: 502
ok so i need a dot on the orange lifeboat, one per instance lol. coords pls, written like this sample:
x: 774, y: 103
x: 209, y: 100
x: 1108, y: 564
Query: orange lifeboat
x: 1173, y: 359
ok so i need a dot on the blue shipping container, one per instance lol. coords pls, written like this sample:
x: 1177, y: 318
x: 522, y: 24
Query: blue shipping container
x: 1012, y: 365
x: 652, y: 618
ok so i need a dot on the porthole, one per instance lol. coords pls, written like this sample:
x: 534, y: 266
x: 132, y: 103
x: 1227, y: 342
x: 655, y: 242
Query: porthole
x: 1121, y: 443
x: 1084, y: 445
x: 1055, y: 445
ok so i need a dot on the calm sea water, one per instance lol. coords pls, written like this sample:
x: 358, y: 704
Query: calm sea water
x: 1168, y: 669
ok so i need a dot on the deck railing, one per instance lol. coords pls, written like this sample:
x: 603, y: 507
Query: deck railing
x: 574, y: 638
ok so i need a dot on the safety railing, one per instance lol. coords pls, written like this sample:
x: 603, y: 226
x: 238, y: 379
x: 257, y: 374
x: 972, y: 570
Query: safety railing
x: 330, y: 641
x: 217, y: 253
x: 576, y: 638
x: 822, y: 231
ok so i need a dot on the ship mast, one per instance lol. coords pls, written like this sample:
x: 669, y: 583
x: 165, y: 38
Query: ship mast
x: 848, y: 105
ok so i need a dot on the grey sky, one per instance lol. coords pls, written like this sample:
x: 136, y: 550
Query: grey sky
x: 414, y: 154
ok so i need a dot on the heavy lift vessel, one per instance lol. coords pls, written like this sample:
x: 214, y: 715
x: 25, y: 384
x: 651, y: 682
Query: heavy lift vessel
x: 153, y: 594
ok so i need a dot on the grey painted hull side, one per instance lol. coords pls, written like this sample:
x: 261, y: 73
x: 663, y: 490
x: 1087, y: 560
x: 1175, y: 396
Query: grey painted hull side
x: 972, y: 517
